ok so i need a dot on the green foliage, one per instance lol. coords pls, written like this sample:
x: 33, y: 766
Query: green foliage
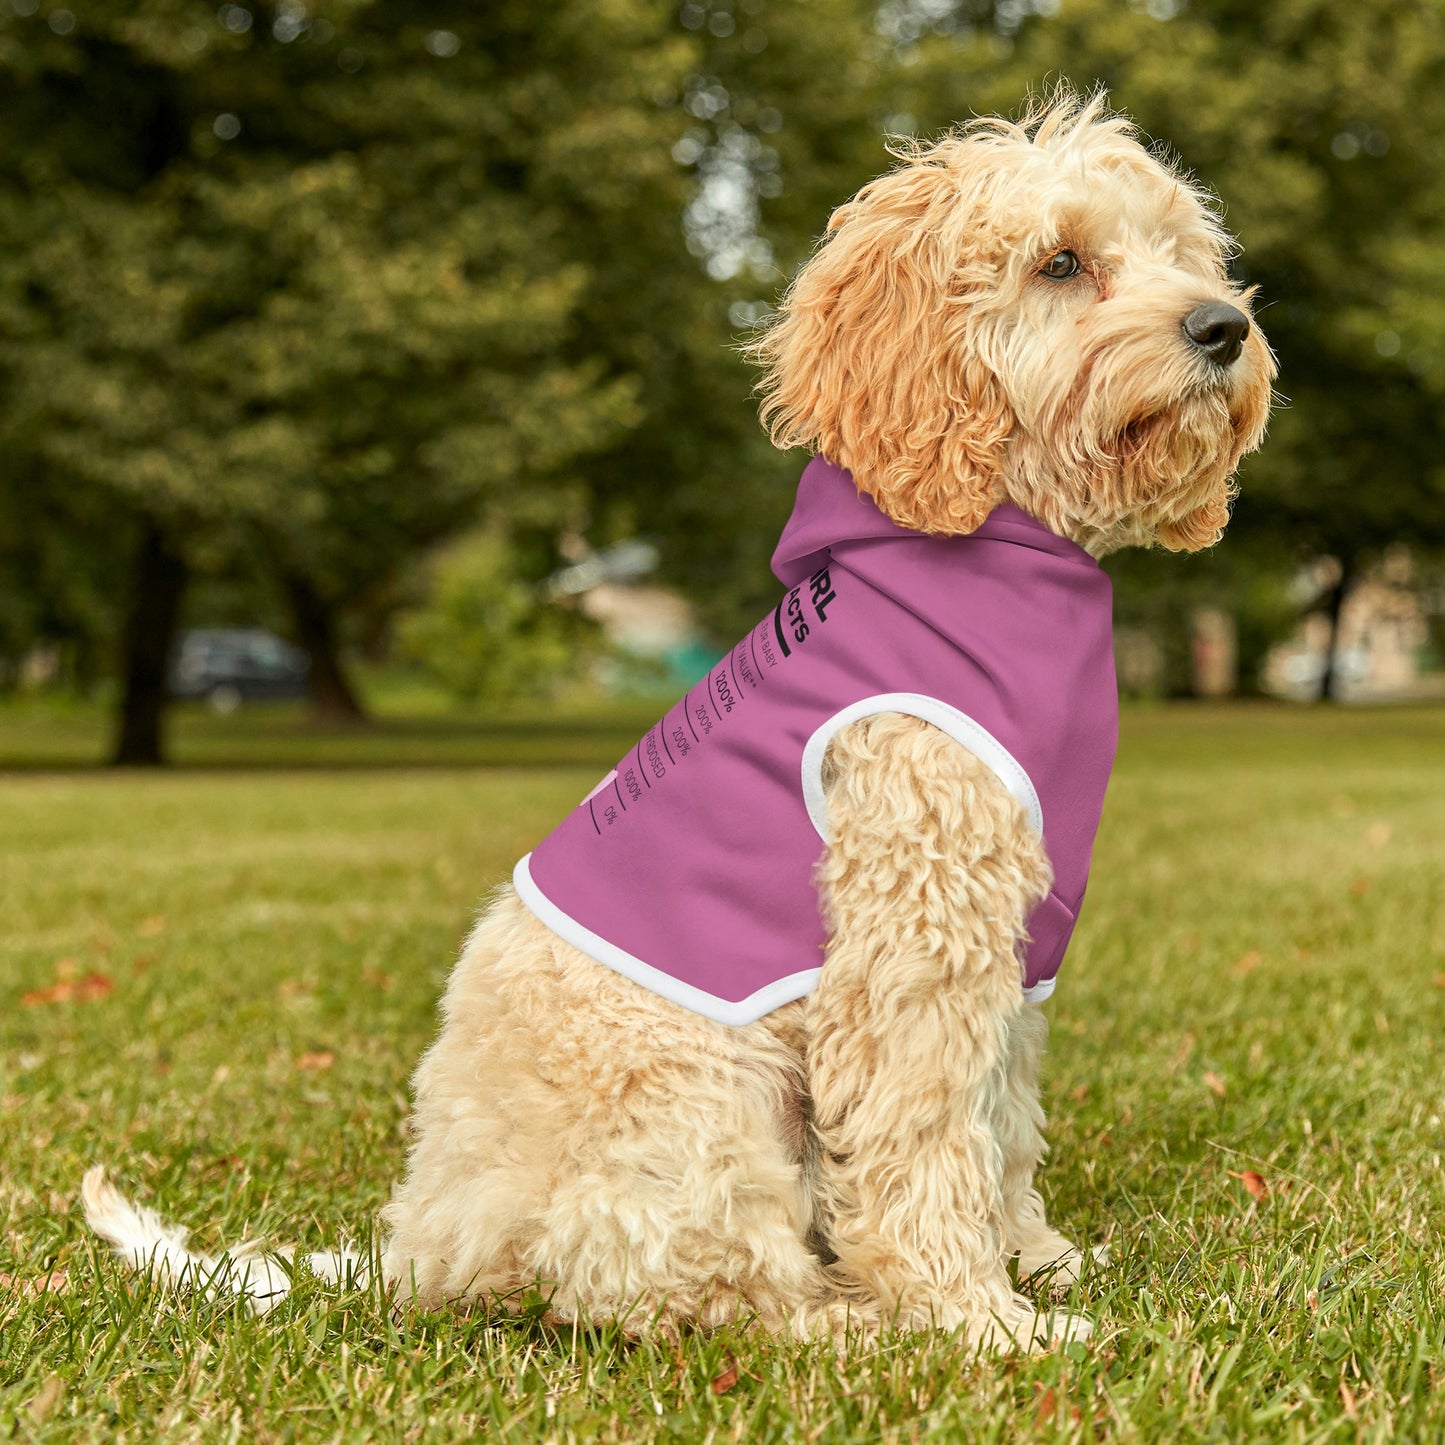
x: 315, y: 287
x: 485, y: 633
x: 309, y: 286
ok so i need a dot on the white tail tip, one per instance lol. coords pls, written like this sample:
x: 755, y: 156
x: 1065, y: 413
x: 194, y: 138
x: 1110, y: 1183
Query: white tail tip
x: 147, y: 1243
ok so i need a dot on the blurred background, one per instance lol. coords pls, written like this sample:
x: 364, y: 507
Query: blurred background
x: 370, y: 360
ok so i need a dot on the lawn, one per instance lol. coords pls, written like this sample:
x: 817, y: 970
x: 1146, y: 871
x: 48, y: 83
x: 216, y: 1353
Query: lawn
x: 216, y: 980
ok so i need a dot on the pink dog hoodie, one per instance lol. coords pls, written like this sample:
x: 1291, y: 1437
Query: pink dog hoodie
x: 690, y: 867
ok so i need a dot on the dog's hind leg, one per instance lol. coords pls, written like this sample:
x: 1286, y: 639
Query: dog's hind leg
x: 1042, y: 1252
x: 577, y: 1135
x: 927, y: 883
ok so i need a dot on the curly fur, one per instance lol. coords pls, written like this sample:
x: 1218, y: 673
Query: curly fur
x: 643, y: 1163
x: 864, y: 1157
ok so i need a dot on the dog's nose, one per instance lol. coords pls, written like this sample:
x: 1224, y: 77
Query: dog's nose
x: 1218, y: 331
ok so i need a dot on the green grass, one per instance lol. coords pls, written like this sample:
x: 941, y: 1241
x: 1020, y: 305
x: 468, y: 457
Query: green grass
x: 409, y: 729
x: 1258, y: 984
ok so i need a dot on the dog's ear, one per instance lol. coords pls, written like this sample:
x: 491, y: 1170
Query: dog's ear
x: 874, y: 357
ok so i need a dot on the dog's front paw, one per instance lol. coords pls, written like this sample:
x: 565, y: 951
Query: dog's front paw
x: 1057, y: 1266
x: 1023, y: 1326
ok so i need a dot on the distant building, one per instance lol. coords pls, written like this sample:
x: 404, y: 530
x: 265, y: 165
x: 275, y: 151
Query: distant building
x: 1383, y: 643
x: 653, y: 630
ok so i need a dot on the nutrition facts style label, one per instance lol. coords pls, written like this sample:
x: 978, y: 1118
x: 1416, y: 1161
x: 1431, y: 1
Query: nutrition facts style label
x: 724, y: 693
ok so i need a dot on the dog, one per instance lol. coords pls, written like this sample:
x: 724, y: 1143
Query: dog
x: 719, y: 1068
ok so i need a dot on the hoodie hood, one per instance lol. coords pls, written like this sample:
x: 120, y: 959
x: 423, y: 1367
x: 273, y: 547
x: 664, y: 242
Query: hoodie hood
x: 830, y: 512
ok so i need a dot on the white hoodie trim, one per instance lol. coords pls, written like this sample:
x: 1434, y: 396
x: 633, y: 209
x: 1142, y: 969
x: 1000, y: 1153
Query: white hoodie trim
x: 724, y: 1011
x: 947, y: 719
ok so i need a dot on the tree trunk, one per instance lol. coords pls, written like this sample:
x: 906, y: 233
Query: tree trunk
x: 1329, y: 679
x: 150, y: 630
x: 333, y: 699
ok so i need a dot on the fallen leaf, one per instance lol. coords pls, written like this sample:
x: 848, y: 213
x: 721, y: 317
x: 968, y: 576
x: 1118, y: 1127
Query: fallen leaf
x: 724, y: 1382
x: 56, y: 1282
x: 320, y: 1059
x: 83, y: 990
x: 1248, y: 963
x: 1214, y: 1083
x: 1254, y: 1182
x: 151, y: 927
x: 1046, y: 1408
x: 56, y: 993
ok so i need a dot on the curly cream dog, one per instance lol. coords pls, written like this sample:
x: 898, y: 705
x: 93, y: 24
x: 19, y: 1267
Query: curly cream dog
x: 1035, y: 314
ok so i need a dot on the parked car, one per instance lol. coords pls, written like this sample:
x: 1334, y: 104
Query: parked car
x: 230, y: 665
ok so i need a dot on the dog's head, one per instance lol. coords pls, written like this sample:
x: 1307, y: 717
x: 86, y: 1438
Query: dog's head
x: 1035, y: 312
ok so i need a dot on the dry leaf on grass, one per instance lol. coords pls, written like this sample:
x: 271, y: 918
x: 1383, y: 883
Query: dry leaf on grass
x: 56, y: 1282
x: 320, y: 1059
x: 724, y: 1382
x: 1214, y: 1083
x: 1046, y: 1408
x: 66, y: 990
x: 1255, y: 1183
x: 1248, y: 963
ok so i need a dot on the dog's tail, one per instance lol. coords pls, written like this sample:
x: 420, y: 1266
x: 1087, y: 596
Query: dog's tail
x: 147, y: 1243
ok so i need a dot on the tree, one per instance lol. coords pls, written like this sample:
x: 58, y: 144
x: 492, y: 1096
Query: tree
x: 778, y: 118
x: 305, y: 289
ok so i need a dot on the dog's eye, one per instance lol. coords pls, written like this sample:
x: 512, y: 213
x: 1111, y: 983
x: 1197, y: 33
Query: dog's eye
x: 1060, y: 266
